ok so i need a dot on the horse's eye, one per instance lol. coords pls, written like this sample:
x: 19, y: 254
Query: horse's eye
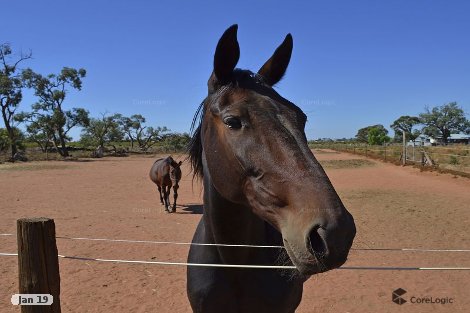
x: 233, y: 122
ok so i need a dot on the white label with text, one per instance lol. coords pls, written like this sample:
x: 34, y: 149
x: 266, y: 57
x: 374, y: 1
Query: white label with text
x: 31, y: 299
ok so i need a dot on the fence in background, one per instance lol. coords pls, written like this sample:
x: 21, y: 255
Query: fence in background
x: 454, y: 158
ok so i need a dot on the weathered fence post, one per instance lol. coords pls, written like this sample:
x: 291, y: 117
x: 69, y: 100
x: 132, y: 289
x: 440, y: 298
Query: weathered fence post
x: 404, y: 150
x: 38, y: 263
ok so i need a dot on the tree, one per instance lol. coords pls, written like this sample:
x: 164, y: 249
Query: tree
x: 4, y: 140
x: 150, y: 136
x: 405, y: 124
x: 49, y: 112
x: 136, y: 131
x: 174, y: 141
x: 18, y: 136
x: 38, y: 129
x: 131, y: 126
x: 101, y: 131
x: 363, y: 133
x: 11, y: 84
x: 377, y: 136
x: 442, y: 121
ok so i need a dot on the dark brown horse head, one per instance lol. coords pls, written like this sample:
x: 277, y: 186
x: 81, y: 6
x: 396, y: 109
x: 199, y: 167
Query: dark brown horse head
x: 252, y: 143
x: 175, y: 170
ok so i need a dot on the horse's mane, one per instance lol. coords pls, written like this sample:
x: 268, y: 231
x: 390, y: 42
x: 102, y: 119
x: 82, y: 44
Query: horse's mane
x: 195, y: 143
x: 240, y: 78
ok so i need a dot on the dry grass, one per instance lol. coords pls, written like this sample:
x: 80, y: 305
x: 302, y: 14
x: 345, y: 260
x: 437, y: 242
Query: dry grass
x: 345, y: 164
x: 32, y: 167
x: 323, y: 151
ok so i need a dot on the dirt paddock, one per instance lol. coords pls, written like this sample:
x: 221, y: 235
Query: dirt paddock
x: 394, y: 207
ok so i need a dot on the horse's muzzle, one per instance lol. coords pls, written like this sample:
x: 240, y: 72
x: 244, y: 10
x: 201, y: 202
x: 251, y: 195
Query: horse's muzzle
x: 320, y: 248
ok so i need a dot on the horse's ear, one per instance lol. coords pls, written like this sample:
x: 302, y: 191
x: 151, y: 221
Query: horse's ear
x: 226, y: 55
x: 273, y: 70
x: 179, y: 163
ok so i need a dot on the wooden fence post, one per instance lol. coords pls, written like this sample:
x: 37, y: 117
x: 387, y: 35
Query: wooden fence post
x: 38, y: 263
x: 404, y: 149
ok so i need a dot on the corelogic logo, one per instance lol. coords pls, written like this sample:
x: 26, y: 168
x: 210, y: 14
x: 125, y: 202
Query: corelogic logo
x: 396, y: 296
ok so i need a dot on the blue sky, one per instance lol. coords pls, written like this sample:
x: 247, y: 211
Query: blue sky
x: 354, y: 64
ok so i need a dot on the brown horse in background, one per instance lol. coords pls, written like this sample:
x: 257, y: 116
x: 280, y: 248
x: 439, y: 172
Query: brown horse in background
x: 166, y: 173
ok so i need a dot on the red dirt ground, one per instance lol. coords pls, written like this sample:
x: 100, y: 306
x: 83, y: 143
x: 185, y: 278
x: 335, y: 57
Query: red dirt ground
x: 394, y: 207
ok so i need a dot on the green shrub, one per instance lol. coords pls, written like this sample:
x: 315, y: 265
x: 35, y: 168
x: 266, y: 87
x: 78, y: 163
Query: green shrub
x: 453, y: 160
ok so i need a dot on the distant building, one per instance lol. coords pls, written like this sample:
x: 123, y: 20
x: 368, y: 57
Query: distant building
x: 459, y: 138
x: 426, y: 141
x: 423, y: 141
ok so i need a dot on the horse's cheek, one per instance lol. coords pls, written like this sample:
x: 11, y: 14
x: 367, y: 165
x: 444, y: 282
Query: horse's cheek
x: 261, y: 206
x: 219, y: 171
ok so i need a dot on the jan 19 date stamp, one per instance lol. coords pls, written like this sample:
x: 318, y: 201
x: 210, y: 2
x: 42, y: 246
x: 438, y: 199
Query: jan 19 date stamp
x: 32, y: 299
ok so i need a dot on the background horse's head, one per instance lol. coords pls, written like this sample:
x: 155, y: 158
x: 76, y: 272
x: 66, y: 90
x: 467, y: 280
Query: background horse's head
x: 251, y: 142
x: 175, y: 170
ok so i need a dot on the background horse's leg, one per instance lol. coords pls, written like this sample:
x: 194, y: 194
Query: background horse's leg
x: 165, y: 198
x: 175, y: 196
x: 160, y: 192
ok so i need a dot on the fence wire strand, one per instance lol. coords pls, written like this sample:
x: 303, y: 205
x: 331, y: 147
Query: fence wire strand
x: 244, y: 245
x: 246, y: 266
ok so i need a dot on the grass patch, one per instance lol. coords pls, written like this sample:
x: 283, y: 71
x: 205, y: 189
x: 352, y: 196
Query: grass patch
x: 322, y: 151
x: 32, y: 167
x: 342, y: 164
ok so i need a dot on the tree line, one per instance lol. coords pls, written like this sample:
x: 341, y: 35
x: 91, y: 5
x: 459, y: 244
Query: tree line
x: 49, y: 122
x: 437, y: 122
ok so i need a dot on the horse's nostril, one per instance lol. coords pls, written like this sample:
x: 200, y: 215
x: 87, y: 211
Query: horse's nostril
x: 316, y: 243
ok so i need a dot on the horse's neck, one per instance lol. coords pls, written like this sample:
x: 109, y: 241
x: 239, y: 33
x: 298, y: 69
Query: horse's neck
x: 226, y: 222
x: 230, y: 222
